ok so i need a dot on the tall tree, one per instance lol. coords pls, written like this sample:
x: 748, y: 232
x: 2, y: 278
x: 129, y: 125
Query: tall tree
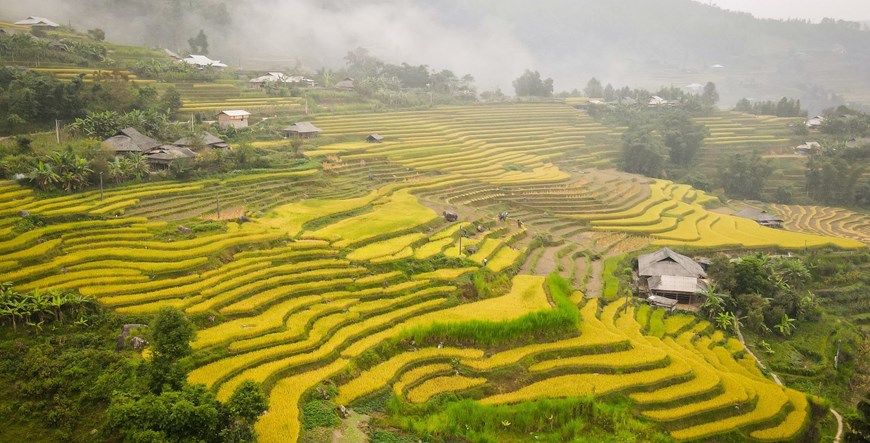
x: 710, y: 96
x: 743, y: 176
x: 530, y: 84
x: 199, y: 44
x: 171, y: 333
x: 682, y: 136
x: 593, y: 88
x: 643, y: 151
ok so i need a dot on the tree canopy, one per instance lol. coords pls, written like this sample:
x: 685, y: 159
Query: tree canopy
x: 530, y: 84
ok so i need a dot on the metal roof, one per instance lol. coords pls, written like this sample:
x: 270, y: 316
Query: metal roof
x: 667, y: 262
x: 201, y: 60
x: 674, y: 283
x: 235, y: 113
x: 662, y: 301
x: 39, y: 21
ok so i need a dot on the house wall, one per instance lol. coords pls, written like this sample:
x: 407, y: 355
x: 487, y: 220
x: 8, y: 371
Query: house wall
x: 236, y: 122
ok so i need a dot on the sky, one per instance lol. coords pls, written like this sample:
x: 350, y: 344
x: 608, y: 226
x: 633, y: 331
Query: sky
x: 815, y: 10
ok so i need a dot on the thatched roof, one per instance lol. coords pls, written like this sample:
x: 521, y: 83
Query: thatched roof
x: 130, y: 140
x: 302, y: 128
x: 676, y: 284
x: 168, y: 153
x: 206, y: 139
x: 667, y: 262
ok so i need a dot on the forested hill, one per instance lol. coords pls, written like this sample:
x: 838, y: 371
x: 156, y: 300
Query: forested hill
x: 677, y: 42
x: 625, y: 42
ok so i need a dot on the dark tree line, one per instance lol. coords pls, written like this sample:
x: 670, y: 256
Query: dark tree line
x: 834, y: 176
x: 30, y: 100
x: 656, y: 143
x: 769, y: 294
x: 374, y: 76
x: 743, y: 175
x: 785, y: 107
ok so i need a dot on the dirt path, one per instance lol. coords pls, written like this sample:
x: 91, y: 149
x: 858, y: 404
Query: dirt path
x: 593, y: 286
x: 839, y: 418
x: 547, y: 262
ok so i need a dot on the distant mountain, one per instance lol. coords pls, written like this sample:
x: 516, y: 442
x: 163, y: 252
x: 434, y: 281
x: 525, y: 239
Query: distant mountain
x: 678, y: 42
x: 642, y: 43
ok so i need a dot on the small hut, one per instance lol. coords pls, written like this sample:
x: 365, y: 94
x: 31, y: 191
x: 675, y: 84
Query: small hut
x: 301, y: 130
x: 374, y: 138
x: 345, y: 84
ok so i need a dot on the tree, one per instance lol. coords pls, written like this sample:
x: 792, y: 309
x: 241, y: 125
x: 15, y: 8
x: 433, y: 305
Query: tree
x: 97, y: 34
x: 171, y: 333
x: 593, y: 88
x: 43, y: 175
x: 530, y: 85
x: 710, y: 96
x: 361, y: 64
x: 199, y: 44
x: 832, y: 178
x: 643, y: 151
x: 245, y: 406
x: 743, y: 175
x: 137, y: 166
x: 859, y: 425
x: 190, y: 414
x: 609, y: 93
x: 714, y: 301
x: 682, y: 136
x: 786, y: 325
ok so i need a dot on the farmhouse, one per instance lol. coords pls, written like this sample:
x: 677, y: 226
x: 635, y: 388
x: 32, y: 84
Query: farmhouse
x: 280, y: 77
x: 129, y: 140
x: 204, y: 140
x: 39, y: 22
x: 657, y: 101
x: 202, y: 62
x: 236, y: 118
x: 374, y: 138
x: 301, y: 130
x: 666, y: 274
x: 761, y: 217
x: 346, y: 84
x: 815, y: 122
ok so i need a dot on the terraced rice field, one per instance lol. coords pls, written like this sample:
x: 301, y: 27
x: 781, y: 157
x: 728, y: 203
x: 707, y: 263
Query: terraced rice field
x: 215, y: 97
x: 825, y: 221
x: 311, y: 284
x: 89, y: 75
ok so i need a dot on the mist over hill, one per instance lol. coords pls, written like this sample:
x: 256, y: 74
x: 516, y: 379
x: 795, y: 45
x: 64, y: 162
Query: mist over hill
x: 624, y: 42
